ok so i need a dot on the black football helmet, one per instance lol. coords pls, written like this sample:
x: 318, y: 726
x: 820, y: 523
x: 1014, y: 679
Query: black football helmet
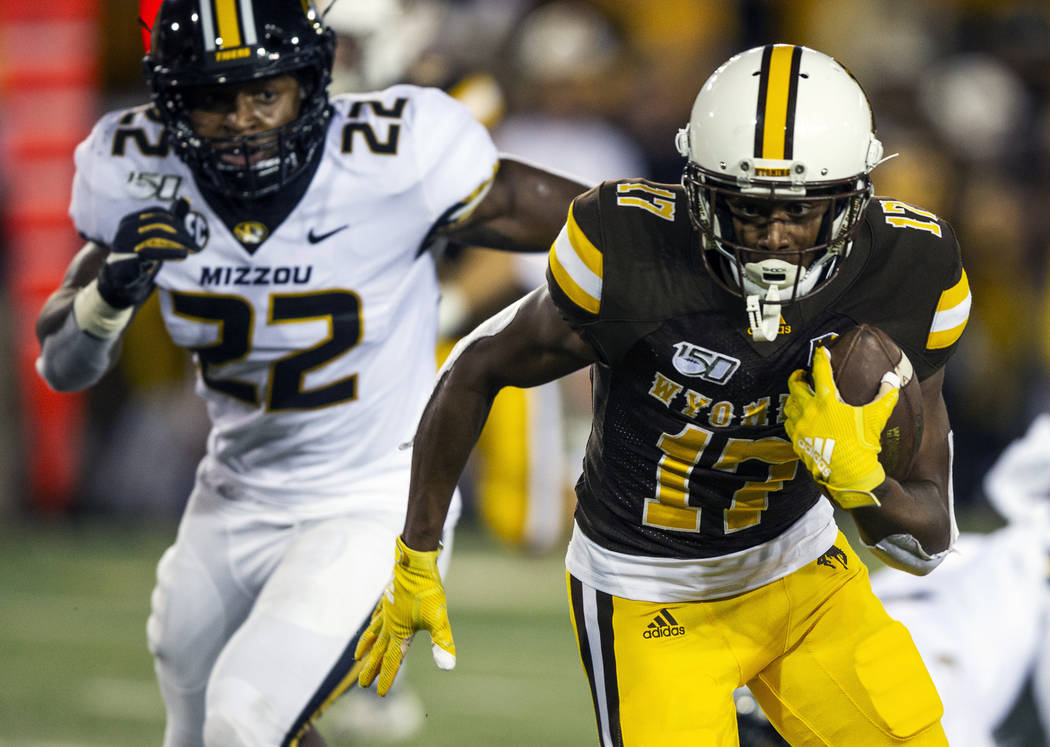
x: 215, y: 42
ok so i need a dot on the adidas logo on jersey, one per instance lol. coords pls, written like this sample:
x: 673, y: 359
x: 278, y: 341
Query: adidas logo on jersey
x: 663, y: 626
x: 819, y: 450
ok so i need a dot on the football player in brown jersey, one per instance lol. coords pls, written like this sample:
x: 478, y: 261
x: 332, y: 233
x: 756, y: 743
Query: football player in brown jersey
x: 705, y: 554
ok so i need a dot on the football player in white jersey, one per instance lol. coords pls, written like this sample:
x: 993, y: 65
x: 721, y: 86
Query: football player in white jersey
x: 287, y: 235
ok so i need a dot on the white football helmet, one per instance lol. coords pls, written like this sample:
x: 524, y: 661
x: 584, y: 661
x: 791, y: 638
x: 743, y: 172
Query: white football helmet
x: 781, y: 123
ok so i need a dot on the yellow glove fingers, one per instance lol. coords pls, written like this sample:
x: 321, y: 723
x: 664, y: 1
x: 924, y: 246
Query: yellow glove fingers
x: 889, y: 393
x: 871, y: 418
x: 391, y: 663
x: 368, y: 638
x: 798, y: 386
x: 823, y: 378
x: 443, y: 648
x: 374, y: 662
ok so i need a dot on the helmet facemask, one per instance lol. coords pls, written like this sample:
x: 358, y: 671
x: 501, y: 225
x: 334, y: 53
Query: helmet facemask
x: 772, y: 281
x: 248, y: 166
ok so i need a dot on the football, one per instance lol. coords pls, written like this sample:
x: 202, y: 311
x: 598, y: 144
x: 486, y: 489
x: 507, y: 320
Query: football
x: 859, y: 358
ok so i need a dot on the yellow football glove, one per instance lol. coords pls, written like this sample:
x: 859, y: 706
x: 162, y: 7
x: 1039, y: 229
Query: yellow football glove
x: 414, y: 600
x: 838, y: 443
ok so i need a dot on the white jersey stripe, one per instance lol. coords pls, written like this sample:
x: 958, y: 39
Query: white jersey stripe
x: 594, y: 642
x: 951, y: 315
x: 576, y: 269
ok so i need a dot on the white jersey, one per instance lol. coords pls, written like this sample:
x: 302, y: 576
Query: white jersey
x: 315, y: 349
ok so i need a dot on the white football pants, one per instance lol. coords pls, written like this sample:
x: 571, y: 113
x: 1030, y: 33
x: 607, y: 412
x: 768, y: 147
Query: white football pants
x: 258, y: 607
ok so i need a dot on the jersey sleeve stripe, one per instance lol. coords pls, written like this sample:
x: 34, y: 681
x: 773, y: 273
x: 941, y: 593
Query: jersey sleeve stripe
x: 465, y: 207
x: 573, y: 277
x: 582, y: 246
x: 951, y: 315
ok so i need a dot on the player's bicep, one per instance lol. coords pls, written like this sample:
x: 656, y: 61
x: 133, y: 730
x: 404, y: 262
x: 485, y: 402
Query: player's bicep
x: 82, y: 270
x: 525, y: 345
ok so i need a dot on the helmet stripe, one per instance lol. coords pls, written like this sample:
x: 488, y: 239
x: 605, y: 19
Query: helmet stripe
x: 228, y: 24
x: 777, y: 96
x: 208, y: 26
x: 229, y: 28
x: 248, y: 22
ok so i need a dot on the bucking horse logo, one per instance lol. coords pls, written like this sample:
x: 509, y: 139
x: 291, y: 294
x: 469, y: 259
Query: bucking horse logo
x: 832, y: 556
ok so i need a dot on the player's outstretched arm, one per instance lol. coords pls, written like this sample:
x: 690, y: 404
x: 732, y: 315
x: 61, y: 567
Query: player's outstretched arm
x: 81, y: 324
x: 522, y: 212
x: 525, y: 345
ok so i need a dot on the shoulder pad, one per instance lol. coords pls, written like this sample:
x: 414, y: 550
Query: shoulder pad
x: 916, y: 259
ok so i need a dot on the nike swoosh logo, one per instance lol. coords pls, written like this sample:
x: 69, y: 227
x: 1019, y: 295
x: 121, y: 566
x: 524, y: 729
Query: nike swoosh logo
x: 314, y: 238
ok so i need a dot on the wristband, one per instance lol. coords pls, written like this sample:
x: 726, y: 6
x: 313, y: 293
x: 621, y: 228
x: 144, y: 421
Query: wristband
x: 96, y: 317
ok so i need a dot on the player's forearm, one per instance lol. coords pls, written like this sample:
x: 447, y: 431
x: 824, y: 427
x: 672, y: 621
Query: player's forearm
x: 72, y: 359
x: 914, y: 508
x: 447, y: 432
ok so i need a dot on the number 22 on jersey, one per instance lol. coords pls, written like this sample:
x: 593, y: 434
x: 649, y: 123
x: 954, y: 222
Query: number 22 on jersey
x: 234, y: 318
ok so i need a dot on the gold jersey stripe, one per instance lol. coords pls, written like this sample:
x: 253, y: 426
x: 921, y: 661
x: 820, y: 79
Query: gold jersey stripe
x: 951, y: 315
x: 585, y: 250
x: 576, y: 265
x: 777, y: 94
x: 955, y: 295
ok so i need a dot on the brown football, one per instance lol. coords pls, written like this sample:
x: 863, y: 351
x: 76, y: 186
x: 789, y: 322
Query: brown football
x: 859, y: 358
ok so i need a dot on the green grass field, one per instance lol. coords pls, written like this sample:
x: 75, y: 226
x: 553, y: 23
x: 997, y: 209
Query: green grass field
x: 74, y: 670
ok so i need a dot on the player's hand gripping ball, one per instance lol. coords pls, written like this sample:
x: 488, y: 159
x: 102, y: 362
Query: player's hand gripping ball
x: 841, y: 425
x: 860, y: 358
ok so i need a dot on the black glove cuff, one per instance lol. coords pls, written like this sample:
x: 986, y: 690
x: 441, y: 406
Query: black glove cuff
x: 121, y: 292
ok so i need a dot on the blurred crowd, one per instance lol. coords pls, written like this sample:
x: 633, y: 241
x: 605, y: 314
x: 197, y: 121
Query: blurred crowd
x: 960, y: 88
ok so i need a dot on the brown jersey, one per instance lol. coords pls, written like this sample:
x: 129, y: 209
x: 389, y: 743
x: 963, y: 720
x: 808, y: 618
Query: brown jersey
x: 687, y: 456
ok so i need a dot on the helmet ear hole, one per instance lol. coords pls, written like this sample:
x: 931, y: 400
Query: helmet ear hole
x: 681, y: 141
x: 875, y: 152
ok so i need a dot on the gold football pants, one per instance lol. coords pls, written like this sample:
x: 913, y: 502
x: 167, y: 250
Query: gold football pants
x: 816, y: 648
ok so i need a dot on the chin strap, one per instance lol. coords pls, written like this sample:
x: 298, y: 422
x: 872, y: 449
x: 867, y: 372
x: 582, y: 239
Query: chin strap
x: 764, y: 315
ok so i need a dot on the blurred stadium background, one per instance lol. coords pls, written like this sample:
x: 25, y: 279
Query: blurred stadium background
x: 91, y: 485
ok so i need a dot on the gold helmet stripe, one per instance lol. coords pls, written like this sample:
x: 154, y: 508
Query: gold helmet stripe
x: 228, y: 24
x: 228, y: 27
x: 777, y: 96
